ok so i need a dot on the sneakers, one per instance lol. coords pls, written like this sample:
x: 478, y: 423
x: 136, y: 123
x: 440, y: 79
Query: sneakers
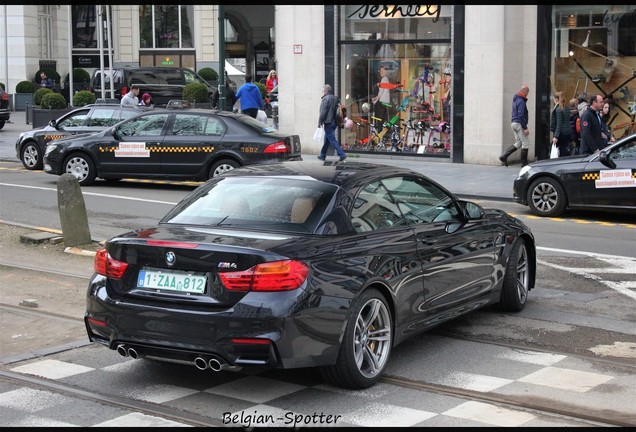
x: 342, y: 158
x: 322, y: 159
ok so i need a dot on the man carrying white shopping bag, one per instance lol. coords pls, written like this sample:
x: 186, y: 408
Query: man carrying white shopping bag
x: 329, y: 120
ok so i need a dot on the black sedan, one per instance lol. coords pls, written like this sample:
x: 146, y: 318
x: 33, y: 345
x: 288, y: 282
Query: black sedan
x: 186, y: 144
x: 305, y: 264
x: 31, y: 145
x: 605, y: 180
x: 5, y: 114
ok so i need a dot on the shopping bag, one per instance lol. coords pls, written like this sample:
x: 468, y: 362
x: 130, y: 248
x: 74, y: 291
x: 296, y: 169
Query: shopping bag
x: 554, y: 153
x: 319, y: 134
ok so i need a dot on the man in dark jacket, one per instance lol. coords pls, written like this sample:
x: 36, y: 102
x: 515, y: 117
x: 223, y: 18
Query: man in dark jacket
x: 591, y: 137
x: 329, y: 112
x: 519, y: 124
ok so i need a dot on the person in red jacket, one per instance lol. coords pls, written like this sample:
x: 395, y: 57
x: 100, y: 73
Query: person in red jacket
x: 271, y: 81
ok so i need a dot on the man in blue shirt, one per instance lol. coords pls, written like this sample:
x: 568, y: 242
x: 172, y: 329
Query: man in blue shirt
x: 250, y: 96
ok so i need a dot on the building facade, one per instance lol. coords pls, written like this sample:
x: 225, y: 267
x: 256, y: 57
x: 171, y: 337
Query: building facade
x: 432, y: 81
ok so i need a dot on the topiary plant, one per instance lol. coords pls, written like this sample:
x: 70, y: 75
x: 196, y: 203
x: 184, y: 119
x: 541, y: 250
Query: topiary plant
x: 51, y: 73
x: 53, y: 101
x: 196, y: 92
x: 83, y: 97
x: 262, y: 88
x: 209, y: 74
x: 25, y: 87
x: 39, y: 94
x: 3, y: 86
x: 79, y: 76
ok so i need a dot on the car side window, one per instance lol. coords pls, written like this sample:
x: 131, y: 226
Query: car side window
x: 421, y: 201
x: 627, y: 151
x: 214, y: 126
x: 125, y: 114
x: 75, y: 119
x: 374, y: 209
x: 188, y: 124
x: 189, y: 77
x: 150, y: 125
x: 101, y: 117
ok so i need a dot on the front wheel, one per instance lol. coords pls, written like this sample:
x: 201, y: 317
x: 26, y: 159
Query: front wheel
x: 82, y: 167
x: 516, y: 284
x: 546, y: 197
x: 224, y: 165
x: 366, y: 345
x: 31, y: 156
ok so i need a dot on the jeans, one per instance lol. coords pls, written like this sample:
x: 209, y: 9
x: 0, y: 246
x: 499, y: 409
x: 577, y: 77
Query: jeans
x: 252, y: 112
x: 330, y: 139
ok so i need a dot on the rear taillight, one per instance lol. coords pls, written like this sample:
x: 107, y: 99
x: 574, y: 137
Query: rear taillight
x: 277, y: 147
x: 5, y: 96
x: 106, y: 265
x: 285, y: 275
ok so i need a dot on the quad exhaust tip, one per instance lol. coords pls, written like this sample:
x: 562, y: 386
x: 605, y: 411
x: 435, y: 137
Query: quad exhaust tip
x: 214, y: 363
x: 131, y: 352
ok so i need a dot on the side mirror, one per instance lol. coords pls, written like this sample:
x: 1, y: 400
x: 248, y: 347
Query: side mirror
x: 53, y: 124
x: 471, y: 210
x: 115, y: 134
x: 606, y: 160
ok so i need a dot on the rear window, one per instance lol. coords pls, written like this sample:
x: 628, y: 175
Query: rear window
x: 163, y: 77
x: 118, y: 78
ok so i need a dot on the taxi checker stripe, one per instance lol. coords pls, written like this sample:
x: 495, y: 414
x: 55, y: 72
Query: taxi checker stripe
x: 165, y: 149
x: 591, y: 176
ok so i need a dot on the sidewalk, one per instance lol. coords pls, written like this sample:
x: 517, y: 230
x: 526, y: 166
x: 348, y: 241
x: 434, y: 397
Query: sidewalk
x: 466, y: 180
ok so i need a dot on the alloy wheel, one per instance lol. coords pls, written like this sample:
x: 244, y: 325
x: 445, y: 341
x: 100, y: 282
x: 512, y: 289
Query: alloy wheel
x: 544, y: 197
x: 372, y: 338
x: 523, y: 274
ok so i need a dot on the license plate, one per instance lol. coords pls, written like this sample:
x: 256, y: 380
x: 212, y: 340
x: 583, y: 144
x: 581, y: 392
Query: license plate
x: 172, y: 281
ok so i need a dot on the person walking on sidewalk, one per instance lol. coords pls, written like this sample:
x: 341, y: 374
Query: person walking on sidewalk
x: 250, y: 96
x: 519, y: 126
x: 560, y: 125
x: 329, y: 120
x: 591, y: 127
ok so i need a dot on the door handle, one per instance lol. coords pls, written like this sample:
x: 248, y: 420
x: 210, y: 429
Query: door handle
x: 429, y: 240
x: 153, y: 143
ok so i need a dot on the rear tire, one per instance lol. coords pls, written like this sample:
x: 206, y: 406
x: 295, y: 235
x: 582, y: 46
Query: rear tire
x: 82, y: 167
x: 222, y: 166
x: 31, y: 156
x: 366, y: 345
x: 546, y: 197
x: 1, y: 124
x: 516, y: 284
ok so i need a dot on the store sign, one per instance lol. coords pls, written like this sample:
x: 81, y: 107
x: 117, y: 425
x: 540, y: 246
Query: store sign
x: 397, y: 11
x: 167, y: 62
x: 88, y: 61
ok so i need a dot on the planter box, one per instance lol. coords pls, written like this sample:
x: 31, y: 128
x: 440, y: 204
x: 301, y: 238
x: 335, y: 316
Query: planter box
x: 41, y: 117
x: 21, y: 100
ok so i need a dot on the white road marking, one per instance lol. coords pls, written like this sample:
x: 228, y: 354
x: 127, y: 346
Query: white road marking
x: 566, y: 379
x: 490, y: 414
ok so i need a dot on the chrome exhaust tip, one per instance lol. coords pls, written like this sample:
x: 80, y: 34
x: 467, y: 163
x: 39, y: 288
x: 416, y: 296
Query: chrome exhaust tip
x: 217, y: 364
x: 201, y: 363
x: 134, y: 354
x: 121, y: 349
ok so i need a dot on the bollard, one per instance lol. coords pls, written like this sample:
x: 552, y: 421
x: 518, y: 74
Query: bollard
x: 275, y: 116
x: 73, y: 217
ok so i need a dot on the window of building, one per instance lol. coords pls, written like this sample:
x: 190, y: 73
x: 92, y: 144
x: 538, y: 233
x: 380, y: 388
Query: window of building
x: 45, y: 33
x: 395, y: 78
x: 594, y: 52
x: 166, y: 26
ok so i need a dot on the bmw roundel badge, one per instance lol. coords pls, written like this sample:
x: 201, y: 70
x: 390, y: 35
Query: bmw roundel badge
x: 170, y: 258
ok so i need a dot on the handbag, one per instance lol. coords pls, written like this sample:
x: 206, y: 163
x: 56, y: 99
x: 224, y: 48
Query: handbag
x: 319, y: 134
x: 554, y: 152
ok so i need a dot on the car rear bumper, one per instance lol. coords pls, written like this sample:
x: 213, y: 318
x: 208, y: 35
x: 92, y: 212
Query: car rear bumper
x: 297, y: 333
x: 5, y: 114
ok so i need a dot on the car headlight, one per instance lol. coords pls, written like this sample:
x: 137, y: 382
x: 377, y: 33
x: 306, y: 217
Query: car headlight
x: 523, y: 170
x: 50, y: 148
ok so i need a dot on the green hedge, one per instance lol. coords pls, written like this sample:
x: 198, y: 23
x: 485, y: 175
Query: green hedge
x: 263, y: 89
x: 39, y: 94
x: 25, y: 87
x: 83, y: 97
x: 208, y: 74
x: 53, y: 101
x: 79, y: 76
x: 196, y: 92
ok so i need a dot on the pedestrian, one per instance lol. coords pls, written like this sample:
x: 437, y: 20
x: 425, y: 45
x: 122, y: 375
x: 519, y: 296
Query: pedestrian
x: 583, y: 97
x: 591, y: 137
x: 271, y: 81
x: 384, y: 97
x: 45, y: 81
x: 131, y: 98
x: 519, y: 125
x: 230, y: 98
x: 329, y: 113
x: 575, y: 136
x: 606, y: 131
x: 146, y: 101
x: 250, y: 96
x: 560, y: 125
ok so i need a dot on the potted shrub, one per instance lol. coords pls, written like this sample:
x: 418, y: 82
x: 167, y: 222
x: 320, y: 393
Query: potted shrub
x: 83, y: 97
x: 23, y: 95
x: 210, y: 75
x: 52, y: 106
x: 39, y: 94
x: 197, y: 93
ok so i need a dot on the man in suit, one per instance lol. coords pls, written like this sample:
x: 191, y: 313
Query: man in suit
x: 591, y: 137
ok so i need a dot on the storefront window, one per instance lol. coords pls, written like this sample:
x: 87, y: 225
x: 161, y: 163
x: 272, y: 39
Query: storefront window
x: 165, y: 26
x: 594, y: 52
x: 84, y: 26
x: 395, y: 78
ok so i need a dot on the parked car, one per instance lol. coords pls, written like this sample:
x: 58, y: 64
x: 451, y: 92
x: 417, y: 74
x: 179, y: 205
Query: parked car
x: 5, y: 114
x: 602, y: 181
x: 187, y: 144
x: 305, y: 264
x: 163, y: 83
x: 31, y: 145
